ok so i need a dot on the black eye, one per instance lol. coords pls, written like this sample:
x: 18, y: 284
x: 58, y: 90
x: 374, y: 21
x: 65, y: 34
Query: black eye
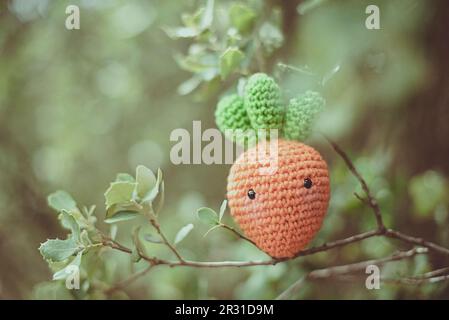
x: 251, y: 194
x: 307, y: 183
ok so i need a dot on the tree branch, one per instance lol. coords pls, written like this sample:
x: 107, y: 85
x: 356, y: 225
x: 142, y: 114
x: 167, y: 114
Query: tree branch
x: 126, y: 282
x: 417, y: 241
x: 371, y: 201
x: 345, y: 269
x: 238, y: 234
x: 157, y: 226
x: 220, y: 264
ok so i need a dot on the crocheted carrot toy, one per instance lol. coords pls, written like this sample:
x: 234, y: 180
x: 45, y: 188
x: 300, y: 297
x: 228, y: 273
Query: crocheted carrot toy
x: 280, y: 212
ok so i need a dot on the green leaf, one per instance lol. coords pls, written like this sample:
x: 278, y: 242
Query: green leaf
x: 152, y: 238
x: 122, y: 212
x: 152, y: 194
x: 69, y: 222
x: 183, y: 232
x: 222, y: 210
x: 230, y: 60
x: 145, y: 180
x: 61, y: 200
x: 58, y: 250
x: 84, y: 238
x: 119, y: 192
x: 211, y: 229
x: 331, y: 73
x: 193, y: 20
x: 208, y: 216
x: 196, y: 63
x: 122, y: 216
x: 135, y: 256
x: 241, y: 87
x: 161, y: 201
x: 271, y: 37
x: 63, y: 273
x: 189, y: 85
x: 89, y: 212
x: 113, y: 231
x: 181, y: 32
x: 242, y: 17
x: 124, y: 177
x: 208, y: 15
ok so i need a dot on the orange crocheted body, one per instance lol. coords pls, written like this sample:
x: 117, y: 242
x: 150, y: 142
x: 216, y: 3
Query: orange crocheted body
x: 283, y: 211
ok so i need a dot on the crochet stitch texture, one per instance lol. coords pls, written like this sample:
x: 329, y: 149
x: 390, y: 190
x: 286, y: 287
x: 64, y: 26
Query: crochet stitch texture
x: 284, y: 215
x: 263, y: 102
x: 300, y: 115
x: 231, y: 115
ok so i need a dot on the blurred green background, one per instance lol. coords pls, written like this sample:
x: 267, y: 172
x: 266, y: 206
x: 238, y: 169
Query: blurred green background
x: 76, y: 107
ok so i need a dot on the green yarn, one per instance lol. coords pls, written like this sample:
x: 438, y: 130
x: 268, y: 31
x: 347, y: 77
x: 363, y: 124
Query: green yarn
x: 301, y: 113
x: 263, y: 102
x: 231, y: 114
x: 261, y: 108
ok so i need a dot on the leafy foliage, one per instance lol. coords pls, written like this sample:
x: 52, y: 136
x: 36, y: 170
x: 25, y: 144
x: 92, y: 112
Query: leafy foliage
x: 224, y: 45
x: 126, y: 198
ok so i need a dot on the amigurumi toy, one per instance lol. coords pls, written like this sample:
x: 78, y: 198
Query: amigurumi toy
x: 280, y: 212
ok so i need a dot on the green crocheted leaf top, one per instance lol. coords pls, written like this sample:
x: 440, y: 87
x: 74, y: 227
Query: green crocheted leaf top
x: 301, y: 114
x: 263, y: 102
x: 231, y: 113
x: 262, y: 108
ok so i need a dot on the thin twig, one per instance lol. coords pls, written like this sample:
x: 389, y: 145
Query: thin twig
x: 363, y: 200
x: 372, y: 202
x: 417, y: 241
x: 345, y: 269
x: 433, y: 273
x: 273, y: 261
x: 338, y: 243
x: 417, y: 281
x: 157, y: 226
x: 238, y: 234
x: 109, y: 242
x: 370, y: 198
x: 426, y: 278
x: 433, y: 276
x: 126, y: 282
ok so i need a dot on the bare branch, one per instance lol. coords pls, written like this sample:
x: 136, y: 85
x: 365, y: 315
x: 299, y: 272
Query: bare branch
x: 339, y: 243
x: 345, y: 269
x: 370, y: 199
x: 417, y: 281
x: 238, y: 234
x: 126, y: 282
x: 363, y: 200
x: 433, y: 273
x: 416, y: 241
x: 157, y: 226
x: 109, y: 242
x: 220, y: 264
x: 435, y: 276
x: 372, y: 202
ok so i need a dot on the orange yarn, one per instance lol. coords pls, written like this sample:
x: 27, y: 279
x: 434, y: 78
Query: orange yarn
x: 284, y: 215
